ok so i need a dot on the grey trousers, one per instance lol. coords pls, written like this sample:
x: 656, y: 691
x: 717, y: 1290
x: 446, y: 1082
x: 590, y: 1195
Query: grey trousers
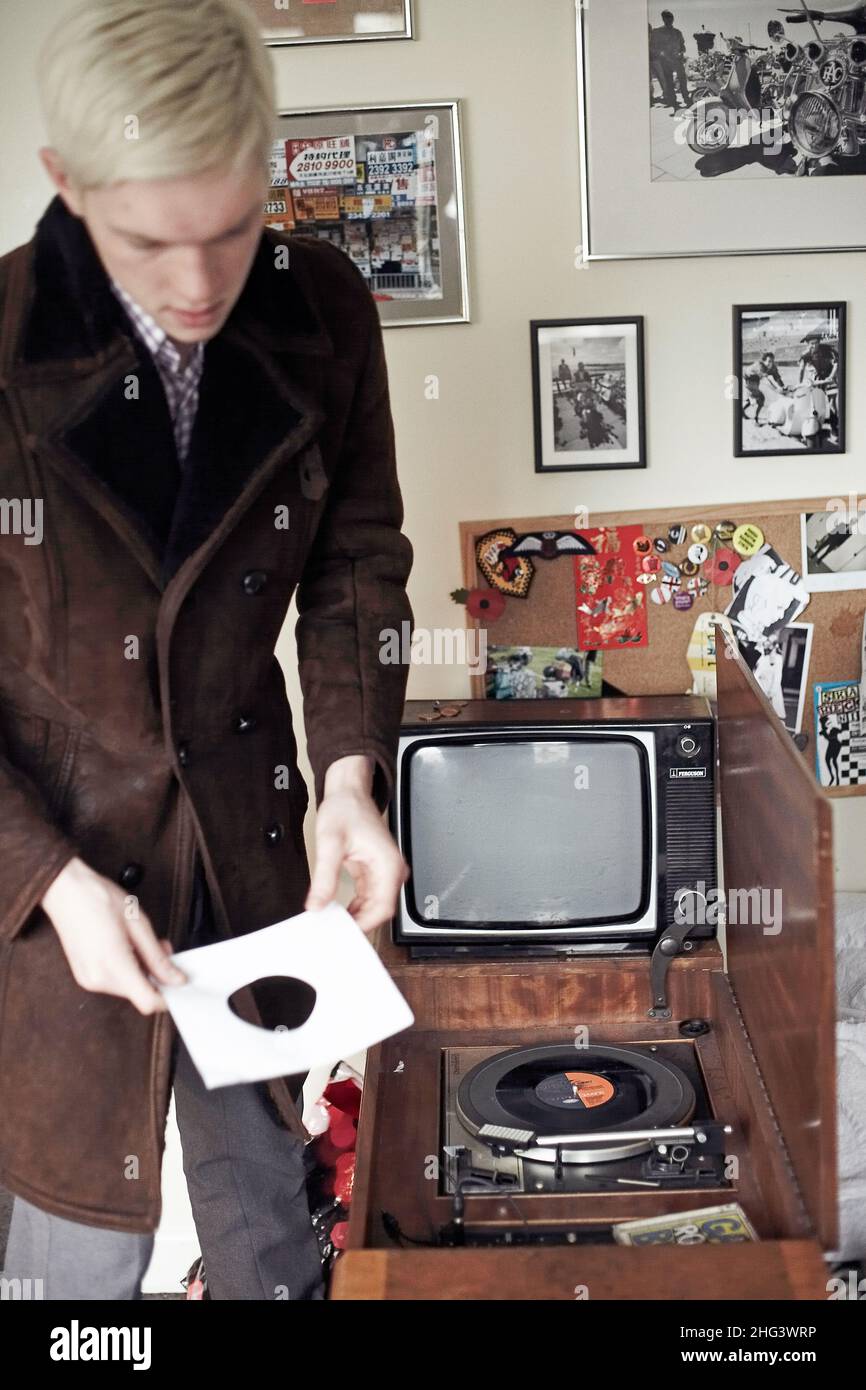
x: 246, y: 1180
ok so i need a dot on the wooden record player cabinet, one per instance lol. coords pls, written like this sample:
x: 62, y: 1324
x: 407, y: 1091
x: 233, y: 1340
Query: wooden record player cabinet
x: 768, y: 1061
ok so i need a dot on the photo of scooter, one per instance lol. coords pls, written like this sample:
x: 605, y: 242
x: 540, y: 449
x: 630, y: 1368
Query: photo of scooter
x: 735, y: 114
x: 801, y: 414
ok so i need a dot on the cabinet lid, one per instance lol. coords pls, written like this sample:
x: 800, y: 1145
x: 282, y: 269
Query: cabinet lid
x: 778, y: 876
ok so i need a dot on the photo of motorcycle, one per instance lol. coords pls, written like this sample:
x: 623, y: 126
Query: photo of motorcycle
x: 599, y: 411
x: 611, y: 389
x: 708, y: 72
x: 763, y: 90
x: 595, y: 428
x: 774, y: 66
x: 823, y: 104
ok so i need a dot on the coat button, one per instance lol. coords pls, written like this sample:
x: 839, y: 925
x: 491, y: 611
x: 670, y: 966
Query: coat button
x: 274, y: 833
x: 131, y: 875
x: 244, y: 724
x: 255, y: 581
x: 183, y: 753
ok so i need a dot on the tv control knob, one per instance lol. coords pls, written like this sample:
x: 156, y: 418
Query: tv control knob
x: 687, y: 745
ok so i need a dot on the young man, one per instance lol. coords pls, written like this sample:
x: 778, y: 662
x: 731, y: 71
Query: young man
x: 196, y: 412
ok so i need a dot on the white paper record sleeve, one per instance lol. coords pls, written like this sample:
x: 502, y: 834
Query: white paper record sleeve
x: 357, y: 1003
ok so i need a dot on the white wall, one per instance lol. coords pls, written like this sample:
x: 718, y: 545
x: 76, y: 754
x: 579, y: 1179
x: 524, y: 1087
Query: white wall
x: 469, y: 454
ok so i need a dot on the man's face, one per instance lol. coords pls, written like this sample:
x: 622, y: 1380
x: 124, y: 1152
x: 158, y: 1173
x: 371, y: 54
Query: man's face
x: 182, y: 248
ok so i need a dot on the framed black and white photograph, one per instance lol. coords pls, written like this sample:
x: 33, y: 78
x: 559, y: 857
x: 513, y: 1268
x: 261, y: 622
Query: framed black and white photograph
x: 789, y: 370
x: 385, y: 185
x: 588, y: 394
x: 721, y: 127
x: 332, y: 21
x: 834, y: 550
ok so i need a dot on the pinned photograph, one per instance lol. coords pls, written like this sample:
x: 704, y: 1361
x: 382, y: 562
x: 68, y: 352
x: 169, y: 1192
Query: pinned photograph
x: 768, y: 596
x: 588, y: 394
x: 542, y: 673
x: 789, y: 366
x: 834, y: 550
x: 781, y: 671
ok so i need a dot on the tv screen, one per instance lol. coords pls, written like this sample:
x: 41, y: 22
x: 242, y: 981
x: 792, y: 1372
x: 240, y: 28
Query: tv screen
x: 527, y: 830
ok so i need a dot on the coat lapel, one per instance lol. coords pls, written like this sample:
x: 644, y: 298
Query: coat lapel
x: 250, y: 424
x: 69, y: 353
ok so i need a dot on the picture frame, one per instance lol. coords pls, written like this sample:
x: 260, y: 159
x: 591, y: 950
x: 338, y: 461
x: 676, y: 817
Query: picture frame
x: 790, y: 372
x: 748, y: 187
x: 385, y: 184
x: 588, y: 393
x: 339, y: 21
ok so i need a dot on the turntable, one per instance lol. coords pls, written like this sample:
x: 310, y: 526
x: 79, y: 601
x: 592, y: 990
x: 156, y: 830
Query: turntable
x: 561, y: 1119
x: 484, y: 1127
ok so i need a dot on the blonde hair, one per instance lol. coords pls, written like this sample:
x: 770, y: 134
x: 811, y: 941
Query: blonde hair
x: 155, y: 89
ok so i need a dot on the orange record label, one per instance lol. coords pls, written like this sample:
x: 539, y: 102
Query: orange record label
x: 590, y: 1089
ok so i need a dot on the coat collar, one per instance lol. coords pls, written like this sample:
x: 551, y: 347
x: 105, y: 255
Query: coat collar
x: 66, y: 345
x: 72, y: 315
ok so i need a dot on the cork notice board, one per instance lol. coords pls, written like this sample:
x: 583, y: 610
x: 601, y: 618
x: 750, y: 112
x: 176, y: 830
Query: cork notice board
x: 548, y: 615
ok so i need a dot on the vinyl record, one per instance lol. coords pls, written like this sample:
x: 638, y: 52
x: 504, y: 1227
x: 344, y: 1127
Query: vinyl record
x: 566, y: 1090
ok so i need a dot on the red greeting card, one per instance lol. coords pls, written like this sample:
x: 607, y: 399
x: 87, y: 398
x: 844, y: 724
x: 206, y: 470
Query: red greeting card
x: 611, y: 603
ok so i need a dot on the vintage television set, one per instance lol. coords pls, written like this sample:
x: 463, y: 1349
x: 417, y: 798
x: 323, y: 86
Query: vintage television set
x: 536, y: 827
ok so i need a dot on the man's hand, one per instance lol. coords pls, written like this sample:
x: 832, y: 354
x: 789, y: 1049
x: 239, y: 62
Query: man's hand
x: 107, y: 952
x: 350, y: 833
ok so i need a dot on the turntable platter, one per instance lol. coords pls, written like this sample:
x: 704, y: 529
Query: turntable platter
x: 566, y: 1090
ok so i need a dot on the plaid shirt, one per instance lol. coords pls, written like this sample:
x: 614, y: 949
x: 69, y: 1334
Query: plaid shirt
x: 181, y: 383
